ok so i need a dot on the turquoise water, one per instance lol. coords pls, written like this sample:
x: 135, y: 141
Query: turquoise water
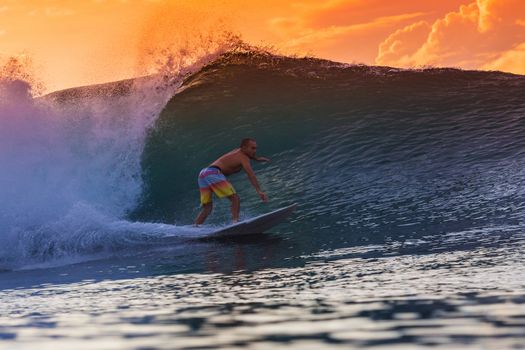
x: 408, y: 233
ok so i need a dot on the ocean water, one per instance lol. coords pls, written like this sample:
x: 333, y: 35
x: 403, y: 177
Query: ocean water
x: 409, y: 230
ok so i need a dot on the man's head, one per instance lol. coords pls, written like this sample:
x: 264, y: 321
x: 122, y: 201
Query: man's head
x: 249, y: 147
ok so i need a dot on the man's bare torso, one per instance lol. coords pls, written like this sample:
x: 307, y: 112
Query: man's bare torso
x: 231, y: 162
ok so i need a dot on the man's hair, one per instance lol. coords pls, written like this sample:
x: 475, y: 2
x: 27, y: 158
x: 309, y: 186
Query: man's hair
x: 246, y: 141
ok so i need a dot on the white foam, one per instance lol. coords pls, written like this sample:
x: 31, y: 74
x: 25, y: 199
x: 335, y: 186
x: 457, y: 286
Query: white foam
x: 71, y: 169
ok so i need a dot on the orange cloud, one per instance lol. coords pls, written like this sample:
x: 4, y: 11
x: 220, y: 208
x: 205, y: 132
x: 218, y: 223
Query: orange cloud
x: 347, y: 12
x: 52, y: 12
x: 483, y: 31
x: 509, y: 61
x: 350, y: 30
x: 498, y: 13
x: 309, y: 37
x: 399, y: 45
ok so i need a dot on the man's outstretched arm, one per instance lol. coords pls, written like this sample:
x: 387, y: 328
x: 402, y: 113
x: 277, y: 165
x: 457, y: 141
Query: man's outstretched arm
x: 253, y: 179
x: 261, y: 159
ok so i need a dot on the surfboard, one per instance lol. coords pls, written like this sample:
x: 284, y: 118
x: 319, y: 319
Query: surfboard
x: 258, y: 224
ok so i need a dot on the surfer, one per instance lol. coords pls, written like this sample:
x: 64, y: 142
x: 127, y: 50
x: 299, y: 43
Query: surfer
x: 213, y: 179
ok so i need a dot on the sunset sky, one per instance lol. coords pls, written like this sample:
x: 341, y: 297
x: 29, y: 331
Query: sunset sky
x: 79, y: 42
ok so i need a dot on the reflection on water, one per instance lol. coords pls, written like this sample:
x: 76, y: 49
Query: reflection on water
x: 339, y: 299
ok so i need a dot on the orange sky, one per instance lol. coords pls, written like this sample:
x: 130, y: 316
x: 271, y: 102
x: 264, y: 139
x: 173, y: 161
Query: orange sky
x: 78, y: 42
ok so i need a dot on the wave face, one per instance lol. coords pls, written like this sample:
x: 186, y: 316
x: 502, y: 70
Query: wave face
x: 365, y: 151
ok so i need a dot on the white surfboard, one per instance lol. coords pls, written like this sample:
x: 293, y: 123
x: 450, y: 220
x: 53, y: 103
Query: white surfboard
x: 258, y: 224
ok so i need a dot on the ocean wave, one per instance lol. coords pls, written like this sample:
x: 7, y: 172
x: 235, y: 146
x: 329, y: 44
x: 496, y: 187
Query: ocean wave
x: 366, y: 151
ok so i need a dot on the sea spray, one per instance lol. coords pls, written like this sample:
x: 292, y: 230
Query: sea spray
x: 65, y: 164
x: 71, y: 160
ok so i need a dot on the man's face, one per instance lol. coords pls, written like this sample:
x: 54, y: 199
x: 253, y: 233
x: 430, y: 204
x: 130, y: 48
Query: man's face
x: 250, y: 149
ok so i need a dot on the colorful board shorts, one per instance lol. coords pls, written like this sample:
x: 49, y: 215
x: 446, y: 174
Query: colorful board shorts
x: 211, y: 179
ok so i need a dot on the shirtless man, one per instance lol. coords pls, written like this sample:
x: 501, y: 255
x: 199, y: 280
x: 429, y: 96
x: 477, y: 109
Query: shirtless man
x: 213, y: 179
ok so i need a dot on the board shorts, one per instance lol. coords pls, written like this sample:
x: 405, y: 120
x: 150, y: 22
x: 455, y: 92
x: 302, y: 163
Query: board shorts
x: 211, y: 179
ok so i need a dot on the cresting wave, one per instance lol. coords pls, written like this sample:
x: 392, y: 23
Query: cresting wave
x: 370, y: 153
x: 367, y: 151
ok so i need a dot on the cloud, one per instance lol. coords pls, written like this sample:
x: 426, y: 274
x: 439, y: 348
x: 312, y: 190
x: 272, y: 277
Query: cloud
x: 346, y: 30
x: 350, y: 30
x: 58, y: 12
x: 52, y: 12
x: 308, y: 36
x: 500, y: 13
x: 399, y: 45
x: 509, y: 61
x: 324, y: 14
x: 480, y: 32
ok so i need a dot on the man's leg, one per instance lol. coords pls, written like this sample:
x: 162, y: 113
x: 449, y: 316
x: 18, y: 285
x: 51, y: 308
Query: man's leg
x: 236, y: 206
x: 206, y: 210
